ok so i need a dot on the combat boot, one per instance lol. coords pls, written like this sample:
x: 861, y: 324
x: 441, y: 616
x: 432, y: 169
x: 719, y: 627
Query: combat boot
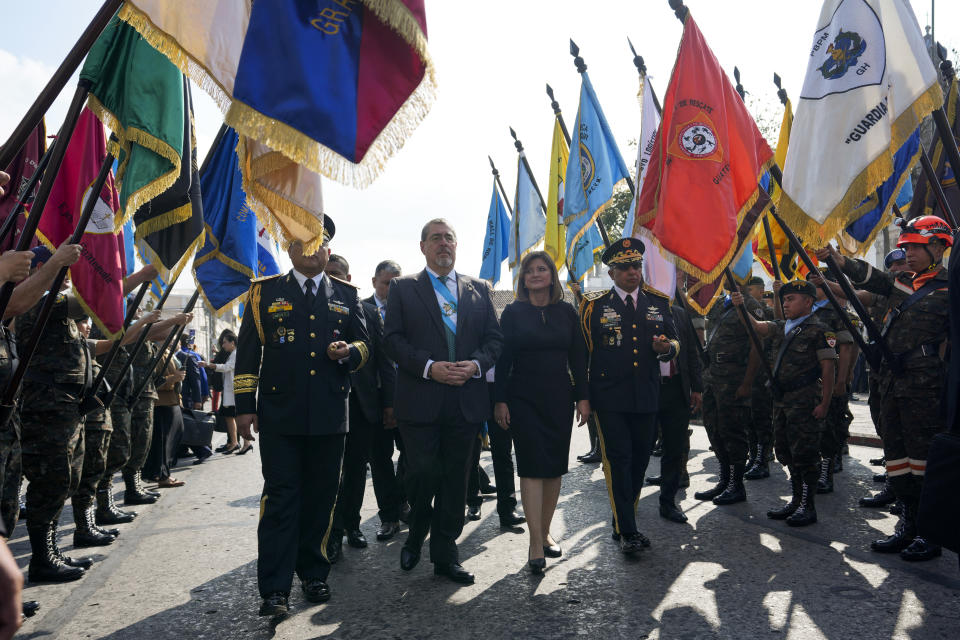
x: 752, y: 454
x: 108, y: 512
x: 710, y: 494
x: 825, y: 482
x: 45, y: 565
x: 882, y: 499
x: 735, y: 491
x: 138, y: 479
x: 82, y: 563
x: 134, y: 494
x: 788, y: 509
x: 760, y: 468
x: 903, y: 535
x: 86, y: 533
x: 806, y: 513
x: 920, y: 549
x: 838, y: 463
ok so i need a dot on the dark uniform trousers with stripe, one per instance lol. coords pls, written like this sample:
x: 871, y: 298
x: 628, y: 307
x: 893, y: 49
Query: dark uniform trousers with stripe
x: 302, y: 413
x: 625, y: 389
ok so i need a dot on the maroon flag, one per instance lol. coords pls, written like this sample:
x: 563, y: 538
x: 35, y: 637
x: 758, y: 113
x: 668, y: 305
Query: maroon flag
x: 21, y: 170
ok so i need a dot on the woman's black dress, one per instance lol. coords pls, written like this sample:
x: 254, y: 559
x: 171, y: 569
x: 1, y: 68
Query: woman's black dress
x: 542, y: 347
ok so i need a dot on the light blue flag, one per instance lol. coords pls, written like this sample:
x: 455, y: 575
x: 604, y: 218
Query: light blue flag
x: 594, y: 170
x: 744, y: 265
x: 497, y: 242
x: 529, y: 219
x: 128, y: 253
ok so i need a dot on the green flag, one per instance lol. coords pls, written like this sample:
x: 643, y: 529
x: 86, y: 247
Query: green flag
x: 139, y: 95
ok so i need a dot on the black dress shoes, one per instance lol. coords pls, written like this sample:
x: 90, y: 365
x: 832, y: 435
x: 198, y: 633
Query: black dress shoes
x: 408, y: 558
x: 672, y: 513
x: 630, y: 544
x: 453, y: 571
x: 473, y: 512
x: 537, y: 566
x: 592, y: 457
x: 356, y: 539
x: 552, y: 551
x: 655, y: 480
x: 275, y: 604
x: 315, y: 590
x: 490, y: 489
x: 510, y: 521
x: 387, y: 530
x: 335, y: 547
x: 30, y: 608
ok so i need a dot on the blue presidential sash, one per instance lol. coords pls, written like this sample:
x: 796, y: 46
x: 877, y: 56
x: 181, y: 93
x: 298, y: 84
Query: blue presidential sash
x: 448, y: 308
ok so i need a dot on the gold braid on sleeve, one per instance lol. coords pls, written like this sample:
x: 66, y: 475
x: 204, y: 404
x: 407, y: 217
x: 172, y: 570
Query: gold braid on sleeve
x: 246, y: 383
x: 364, y: 351
x: 586, y: 311
x: 255, y: 307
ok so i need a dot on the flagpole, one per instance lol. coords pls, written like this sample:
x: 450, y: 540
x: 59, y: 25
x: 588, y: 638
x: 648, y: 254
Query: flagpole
x: 526, y: 165
x: 556, y: 112
x: 581, y: 69
x: 503, y: 193
x: 9, y: 223
x: 746, y: 322
x: 946, y: 134
x: 7, y: 403
x: 56, y: 83
x: 931, y: 174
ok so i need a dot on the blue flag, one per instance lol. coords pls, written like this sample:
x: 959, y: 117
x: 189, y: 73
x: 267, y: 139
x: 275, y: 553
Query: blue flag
x: 229, y: 258
x: 529, y: 219
x: 128, y: 247
x: 497, y: 241
x: 594, y: 170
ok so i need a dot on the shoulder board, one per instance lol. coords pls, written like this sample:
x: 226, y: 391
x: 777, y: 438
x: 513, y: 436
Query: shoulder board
x: 265, y: 278
x: 655, y: 292
x: 349, y: 284
x: 594, y: 295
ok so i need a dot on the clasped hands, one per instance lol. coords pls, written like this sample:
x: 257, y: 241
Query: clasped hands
x: 453, y: 373
x: 661, y: 344
x: 338, y: 350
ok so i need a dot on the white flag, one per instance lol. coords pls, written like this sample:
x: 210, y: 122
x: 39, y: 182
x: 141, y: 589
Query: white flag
x: 869, y: 84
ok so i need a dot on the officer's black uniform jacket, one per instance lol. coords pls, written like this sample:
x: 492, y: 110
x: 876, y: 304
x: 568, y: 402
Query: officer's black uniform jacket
x: 624, y: 368
x: 282, y: 352
x: 373, y: 385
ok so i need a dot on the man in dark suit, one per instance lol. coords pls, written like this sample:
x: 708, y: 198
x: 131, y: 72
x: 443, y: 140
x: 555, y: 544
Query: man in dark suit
x: 371, y: 400
x: 442, y: 332
x: 629, y: 332
x: 301, y: 336
x: 680, y: 394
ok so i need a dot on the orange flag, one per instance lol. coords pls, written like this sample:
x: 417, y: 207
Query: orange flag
x: 700, y: 197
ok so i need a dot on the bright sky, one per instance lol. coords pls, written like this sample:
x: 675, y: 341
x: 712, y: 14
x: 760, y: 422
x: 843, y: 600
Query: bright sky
x: 493, y: 61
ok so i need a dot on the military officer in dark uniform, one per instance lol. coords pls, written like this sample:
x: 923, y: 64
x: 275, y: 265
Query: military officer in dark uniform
x: 629, y: 331
x: 301, y: 336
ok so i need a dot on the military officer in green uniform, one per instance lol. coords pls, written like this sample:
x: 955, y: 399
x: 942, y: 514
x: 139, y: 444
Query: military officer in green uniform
x: 629, y: 331
x: 760, y: 432
x: 302, y: 334
x: 804, y: 358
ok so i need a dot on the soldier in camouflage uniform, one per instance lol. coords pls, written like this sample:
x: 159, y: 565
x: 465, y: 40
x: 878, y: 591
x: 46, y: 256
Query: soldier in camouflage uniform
x: 141, y: 429
x: 803, y: 358
x: 760, y: 433
x: 726, y: 397
x: 916, y: 330
x: 10, y: 455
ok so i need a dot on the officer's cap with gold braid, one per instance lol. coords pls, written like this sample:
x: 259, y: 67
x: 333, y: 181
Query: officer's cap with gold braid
x: 798, y: 286
x: 625, y: 251
x: 328, y: 228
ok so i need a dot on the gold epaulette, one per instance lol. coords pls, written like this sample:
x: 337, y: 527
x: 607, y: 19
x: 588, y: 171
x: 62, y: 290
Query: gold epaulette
x: 655, y: 292
x: 586, y: 310
x: 349, y: 284
x: 254, y: 300
x: 594, y: 295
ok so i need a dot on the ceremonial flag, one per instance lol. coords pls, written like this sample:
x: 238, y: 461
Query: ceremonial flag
x: 859, y: 235
x: 228, y: 259
x: 925, y: 202
x: 267, y: 262
x: 869, y: 84
x: 659, y: 271
x: 128, y: 251
x: 785, y: 256
x: 594, y: 170
x: 497, y: 243
x: 97, y: 277
x: 335, y: 86
x: 554, y: 240
x: 701, y: 198
x: 22, y: 168
x: 529, y: 220
x: 139, y: 94
x: 169, y: 227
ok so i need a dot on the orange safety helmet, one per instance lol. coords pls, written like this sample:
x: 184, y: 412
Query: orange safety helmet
x: 920, y: 231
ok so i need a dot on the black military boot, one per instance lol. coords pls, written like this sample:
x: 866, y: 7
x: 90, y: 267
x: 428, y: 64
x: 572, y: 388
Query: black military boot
x: 710, y: 494
x: 108, y: 512
x: 881, y: 499
x: 735, y: 491
x: 138, y: 479
x: 45, y: 565
x: 134, y: 494
x: 760, y: 468
x: 903, y: 535
x: 796, y: 486
x: 838, y: 463
x: 806, y: 513
x: 752, y: 452
x: 86, y: 533
x: 920, y: 550
x: 825, y: 482
x: 82, y: 563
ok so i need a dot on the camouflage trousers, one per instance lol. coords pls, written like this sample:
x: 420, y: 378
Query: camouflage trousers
x: 52, y: 439
x: 95, y: 447
x: 837, y: 426
x: 141, y: 434
x: 11, y: 472
x: 910, y: 419
x: 118, y: 452
x: 726, y: 419
x: 761, y: 418
x: 797, y: 436
x: 873, y: 384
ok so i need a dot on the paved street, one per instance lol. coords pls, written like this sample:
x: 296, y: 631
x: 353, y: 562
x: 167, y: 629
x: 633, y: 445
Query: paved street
x: 186, y: 568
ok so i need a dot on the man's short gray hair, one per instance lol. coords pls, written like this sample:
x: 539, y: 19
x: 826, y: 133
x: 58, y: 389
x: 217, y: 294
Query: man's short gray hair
x: 390, y: 266
x: 443, y: 221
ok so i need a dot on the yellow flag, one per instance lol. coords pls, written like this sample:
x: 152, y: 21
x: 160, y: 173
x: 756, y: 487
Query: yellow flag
x: 781, y: 245
x: 555, y: 240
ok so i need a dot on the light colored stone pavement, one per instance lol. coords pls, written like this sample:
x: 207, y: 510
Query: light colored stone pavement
x: 186, y: 569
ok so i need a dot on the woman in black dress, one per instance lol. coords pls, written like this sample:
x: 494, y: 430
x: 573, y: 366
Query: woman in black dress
x: 541, y: 375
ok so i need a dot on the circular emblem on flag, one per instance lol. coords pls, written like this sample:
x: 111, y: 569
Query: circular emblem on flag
x: 843, y: 53
x: 697, y: 140
x: 587, y: 167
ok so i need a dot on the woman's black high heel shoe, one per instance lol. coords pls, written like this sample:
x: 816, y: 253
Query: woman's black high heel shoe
x: 245, y: 448
x: 537, y: 566
x: 552, y: 550
x: 230, y: 450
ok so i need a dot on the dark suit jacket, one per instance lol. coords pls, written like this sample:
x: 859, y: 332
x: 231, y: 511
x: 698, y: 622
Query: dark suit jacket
x: 282, y: 352
x: 414, y: 334
x: 372, y: 386
x: 190, y: 391
x: 688, y: 360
